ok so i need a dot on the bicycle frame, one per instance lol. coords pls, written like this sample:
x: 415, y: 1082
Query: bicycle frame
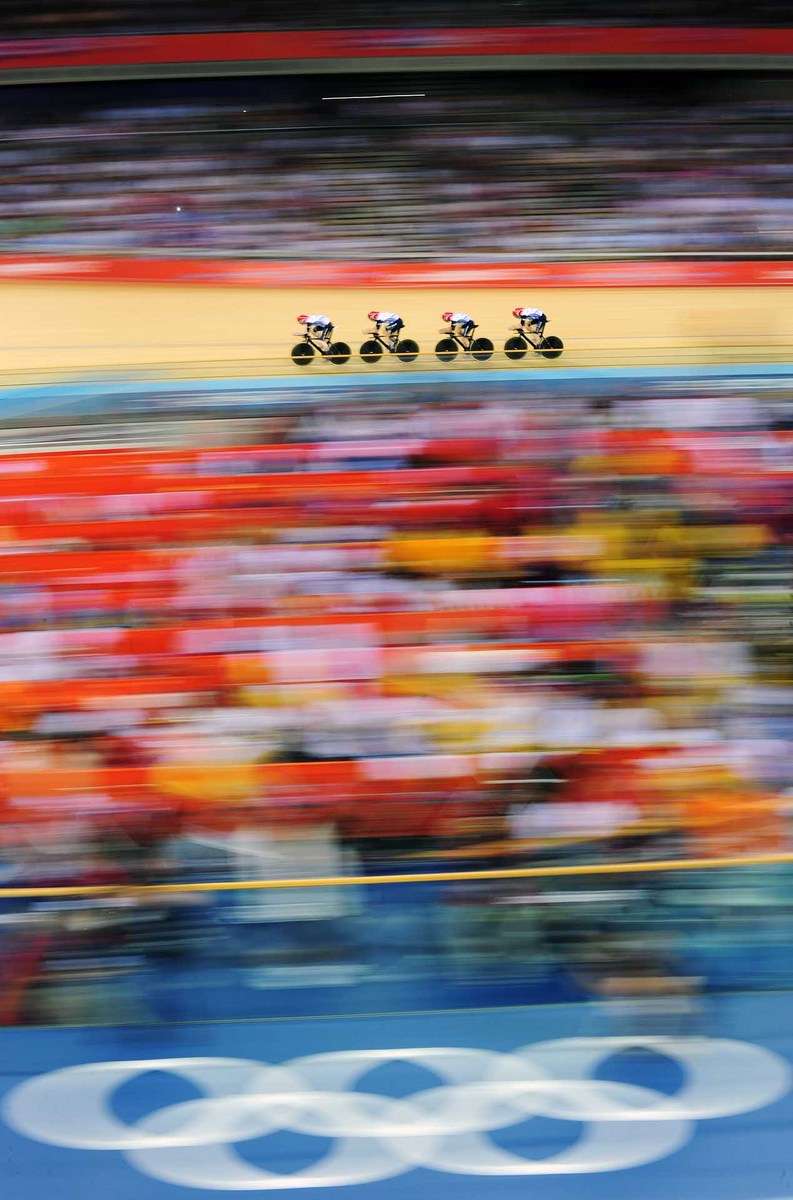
x: 528, y: 336
x: 320, y: 347
x: 378, y: 337
x: 459, y: 338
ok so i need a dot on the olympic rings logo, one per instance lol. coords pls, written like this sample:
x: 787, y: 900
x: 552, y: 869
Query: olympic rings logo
x: 444, y: 1128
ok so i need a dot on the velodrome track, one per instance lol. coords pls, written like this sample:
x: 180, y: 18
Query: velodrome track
x: 54, y: 330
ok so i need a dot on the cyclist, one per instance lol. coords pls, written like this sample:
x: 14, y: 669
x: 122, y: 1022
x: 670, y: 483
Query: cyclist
x: 532, y: 320
x: 318, y: 325
x: 461, y: 323
x: 391, y: 323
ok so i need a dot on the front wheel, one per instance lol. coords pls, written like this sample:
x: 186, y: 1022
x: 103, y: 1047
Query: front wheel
x: 302, y: 354
x: 446, y: 349
x: 515, y: 348
x: 339, y: 353
x: 407, y: 350
x: 482, y: 349
x: 551, y: 347
x: 371, y: 351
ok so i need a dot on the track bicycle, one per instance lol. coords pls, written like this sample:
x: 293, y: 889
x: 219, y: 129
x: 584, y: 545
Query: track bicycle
x: 518, y: 346
x: 376, y: 345
x: 303, y: 353
x: 480, y: 348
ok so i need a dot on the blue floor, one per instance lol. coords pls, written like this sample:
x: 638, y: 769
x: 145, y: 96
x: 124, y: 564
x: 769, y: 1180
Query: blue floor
x: 120, y: 392
x: 745, y: 1153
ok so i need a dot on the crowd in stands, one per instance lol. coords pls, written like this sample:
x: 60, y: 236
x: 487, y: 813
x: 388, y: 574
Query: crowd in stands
x: 375, y: 618
x: 489, y: 632
x: 489, y: 175
x: 62, y: 17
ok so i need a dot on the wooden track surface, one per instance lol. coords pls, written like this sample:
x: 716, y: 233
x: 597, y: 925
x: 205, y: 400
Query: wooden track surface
x: 71, y: 325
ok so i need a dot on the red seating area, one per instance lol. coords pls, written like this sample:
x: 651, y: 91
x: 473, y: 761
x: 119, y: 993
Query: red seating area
x: 295, y: 628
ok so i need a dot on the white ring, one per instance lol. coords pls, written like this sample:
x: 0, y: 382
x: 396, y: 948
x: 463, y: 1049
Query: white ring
x: 70, y: 1107
x: 605, y: 1145
x: 219, y: 1168
x: 722, y: 1077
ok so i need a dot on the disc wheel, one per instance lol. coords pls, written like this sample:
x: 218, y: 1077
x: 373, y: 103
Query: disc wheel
x: 446, y: 349
x: 551, y: 347
x: 339, y: 353
x: 407, y: 350
x: 371, y: 351
x: 302, y: 354
x: 515, y: 348
x: 481, y: 349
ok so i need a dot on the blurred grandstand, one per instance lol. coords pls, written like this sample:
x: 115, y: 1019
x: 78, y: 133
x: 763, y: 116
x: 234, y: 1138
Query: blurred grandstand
x: 266, y: 168
x: 396, y: 637
x: 451, y: 645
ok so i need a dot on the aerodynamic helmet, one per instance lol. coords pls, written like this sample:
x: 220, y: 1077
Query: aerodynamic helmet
x: 372, y: 315
x: 447, y: 316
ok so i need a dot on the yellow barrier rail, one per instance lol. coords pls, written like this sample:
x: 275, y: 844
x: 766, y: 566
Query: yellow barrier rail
x: 585, y: 869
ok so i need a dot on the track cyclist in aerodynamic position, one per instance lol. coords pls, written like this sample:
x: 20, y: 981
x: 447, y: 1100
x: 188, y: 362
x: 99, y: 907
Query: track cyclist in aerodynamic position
x: 318, y: 339
x: 462, y: 324
x: 530, y: 336
x: 532, y: 320
x: 318, y: 325
x: 391, y: 324
x: 461, y: 337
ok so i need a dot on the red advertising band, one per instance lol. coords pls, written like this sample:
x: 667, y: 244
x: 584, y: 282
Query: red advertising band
x: 314, y: 274
x: 301, y: 45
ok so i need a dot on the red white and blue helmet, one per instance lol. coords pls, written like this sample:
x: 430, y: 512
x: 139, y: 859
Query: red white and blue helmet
x: 446, y: 316
x: 517, y: 311
x: 301, y: 320
x: 372, y: 315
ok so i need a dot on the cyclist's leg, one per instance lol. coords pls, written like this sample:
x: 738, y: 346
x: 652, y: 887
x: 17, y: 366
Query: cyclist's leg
x: 530, y: 331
